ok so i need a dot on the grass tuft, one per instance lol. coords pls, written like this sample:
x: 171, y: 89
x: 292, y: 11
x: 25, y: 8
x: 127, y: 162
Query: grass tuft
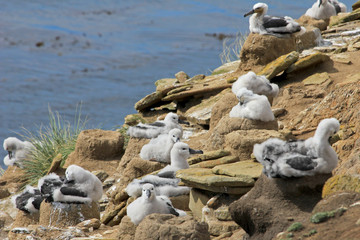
x: 2, y: 171
x: 297, y: 226
x: 58, y: 137
x: 231, y: 49
x: 123, y: 132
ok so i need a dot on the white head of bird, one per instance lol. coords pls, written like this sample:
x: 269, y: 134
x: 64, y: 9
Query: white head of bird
x: 259, y: 9
x: 148, y: 192
x: 175, y: 135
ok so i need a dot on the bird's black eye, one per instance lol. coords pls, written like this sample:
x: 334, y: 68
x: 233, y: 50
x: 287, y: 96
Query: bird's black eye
x: 173, y: 135
x: 184, y: 149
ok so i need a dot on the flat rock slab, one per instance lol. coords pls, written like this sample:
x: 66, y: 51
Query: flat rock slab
x: 316, y: 79
x: 215, y: 162
x: 201, y: 113
x: 341, y: 58
x: 149, y: 101
x: 209, y: 156
x: 195, y: 91
x: 227, y: 67
x: 345, y: 17
x: 239, y: 169
x: 205, y: 179
x: 280, y: 64
x: 308, y: 61
x: 165, y: 85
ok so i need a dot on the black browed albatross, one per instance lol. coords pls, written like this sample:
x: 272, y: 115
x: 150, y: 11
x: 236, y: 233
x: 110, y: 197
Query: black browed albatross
x: 265, y: 24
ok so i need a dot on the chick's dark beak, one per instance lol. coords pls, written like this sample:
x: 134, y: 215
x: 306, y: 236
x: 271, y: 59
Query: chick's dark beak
x: 320, y: 2
x: 192, y: 151
x: 249, y: 13
x: 183, y: 122
x: 148, y: 193
x: 10, y: 154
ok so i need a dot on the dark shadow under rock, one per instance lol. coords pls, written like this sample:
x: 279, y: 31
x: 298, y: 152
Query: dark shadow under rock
x: 272, y: 204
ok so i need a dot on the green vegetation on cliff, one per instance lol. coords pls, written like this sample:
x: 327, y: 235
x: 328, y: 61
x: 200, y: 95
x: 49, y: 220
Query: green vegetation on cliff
x: 58, y: 137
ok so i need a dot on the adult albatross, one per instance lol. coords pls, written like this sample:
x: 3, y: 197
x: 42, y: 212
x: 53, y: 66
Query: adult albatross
x: 265, y: 24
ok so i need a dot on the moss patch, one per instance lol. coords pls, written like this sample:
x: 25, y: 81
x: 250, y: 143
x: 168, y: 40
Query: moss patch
x: 123, y: 132
x: 297, y: 226
x: 321, y: 217
x: 220, y: 72
x: 312, y: 232
x: 340, y: 183
x: 324, y: 216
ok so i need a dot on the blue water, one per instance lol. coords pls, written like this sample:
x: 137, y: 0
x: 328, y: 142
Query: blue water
x: 107, y: 54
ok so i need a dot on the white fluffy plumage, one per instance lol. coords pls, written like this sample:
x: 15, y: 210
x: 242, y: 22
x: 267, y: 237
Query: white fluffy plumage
x: 257, y: 84
x: 179, y: 155
x: 159, y: 148
x: 299, y: 158
x: 80, y: 186
x: 48, y: 184
x: 152, y: 130
x: 321, y: 9
x: 18, y: 151
x: 252, y: 106
x: 28, y: 200
x: 150, y: 203
x: 163, y: 186
x: 264, y: 24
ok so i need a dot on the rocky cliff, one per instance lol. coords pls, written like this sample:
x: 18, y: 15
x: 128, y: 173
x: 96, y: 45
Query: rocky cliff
x: 230, y: 198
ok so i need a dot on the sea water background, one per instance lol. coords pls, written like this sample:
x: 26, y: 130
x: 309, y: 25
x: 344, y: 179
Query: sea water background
x: 107, y: 54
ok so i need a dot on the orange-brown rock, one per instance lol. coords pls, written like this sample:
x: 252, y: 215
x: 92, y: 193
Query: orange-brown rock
x: 97, y: 149
x: 64, y: 215
x: 309, y: 21
x: 261, y: 49
x: 165, y: 226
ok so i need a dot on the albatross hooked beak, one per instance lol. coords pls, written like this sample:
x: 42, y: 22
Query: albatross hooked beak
x: 183, y: 122
x: 10, y: 154
x: 192, y: 151
x: 249, y: 13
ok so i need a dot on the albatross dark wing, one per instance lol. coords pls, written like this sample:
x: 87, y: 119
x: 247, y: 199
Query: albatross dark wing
x: 170, y: 208
x: 302, y: 163
x: 37, y: 201
x: 274, y: 22
x: 336, y: 5
x: 157, y: 124
x: 167, y: 174
x: 72, y: 191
